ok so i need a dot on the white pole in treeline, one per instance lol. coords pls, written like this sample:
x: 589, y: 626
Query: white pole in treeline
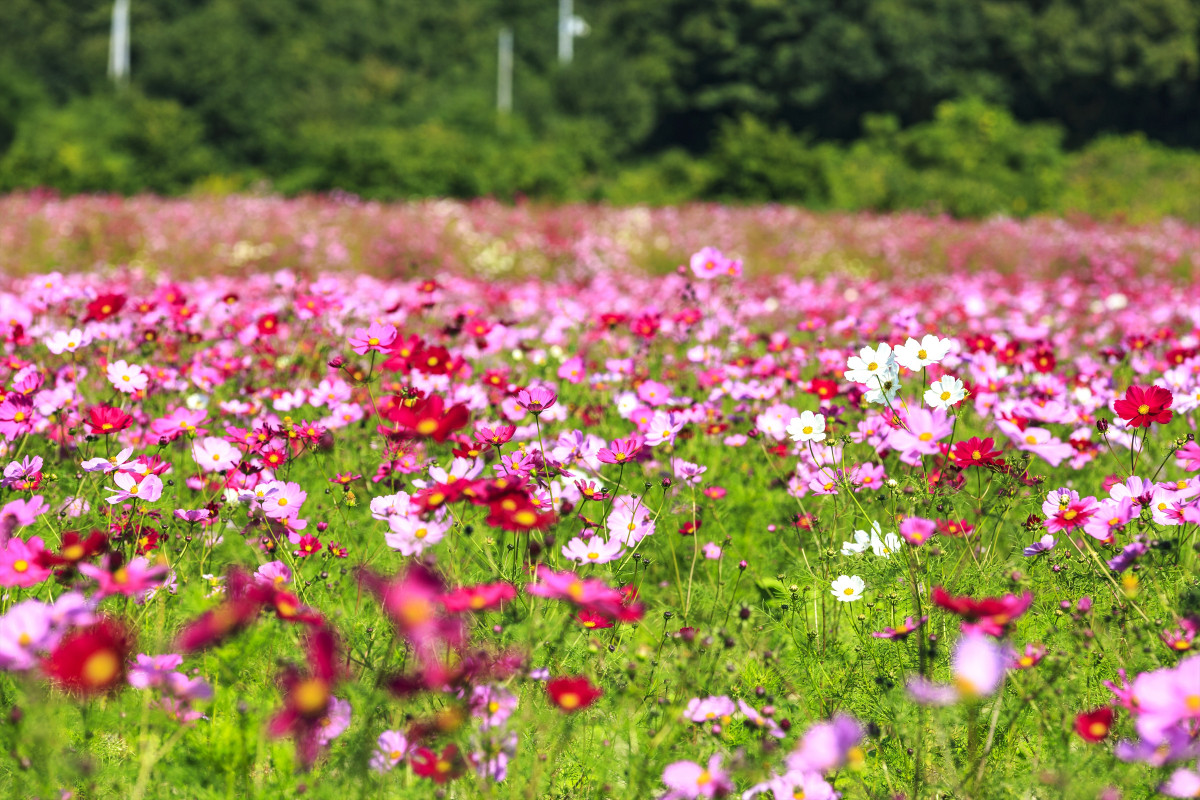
x: 566, y: 31
x: 504, y: 78
x: 118, y: 46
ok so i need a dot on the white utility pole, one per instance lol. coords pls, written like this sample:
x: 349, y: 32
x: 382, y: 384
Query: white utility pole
x: 569, y: 27
x: 118, y: 45
x: 504, y: 77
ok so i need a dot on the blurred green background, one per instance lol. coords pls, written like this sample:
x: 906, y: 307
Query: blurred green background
x: 968, y: 107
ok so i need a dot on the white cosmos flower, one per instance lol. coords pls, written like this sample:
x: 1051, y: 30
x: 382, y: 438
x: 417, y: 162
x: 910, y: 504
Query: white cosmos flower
x: 884, y: 546
x: 61, y: 342
x: 862, y: 540
x: 915, y: 356
x: 871, y: 365
x: 883, y: 391
x: 945, y: 392
x: 848, y: 588
x: 808, y: 427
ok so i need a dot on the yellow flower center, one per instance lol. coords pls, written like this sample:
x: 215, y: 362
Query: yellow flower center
x: 101, y: 667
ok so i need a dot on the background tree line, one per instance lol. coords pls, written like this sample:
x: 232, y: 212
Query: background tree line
x: 967, y: 106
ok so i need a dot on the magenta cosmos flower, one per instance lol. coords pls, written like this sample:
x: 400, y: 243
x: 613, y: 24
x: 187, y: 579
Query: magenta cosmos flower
x: 378, y: 337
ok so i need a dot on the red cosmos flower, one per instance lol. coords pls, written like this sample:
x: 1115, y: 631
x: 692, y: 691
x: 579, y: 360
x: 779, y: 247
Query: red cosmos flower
x: 478, y: 598
x: 822, y: 388
x: 74, y: 549
x: 90, y: 660
x: 991, y: 615
x: 274, y: 458
x: 432, y: 360
x: 438, y: 768
x: 954, y: 527
x: 593, y: 621
x: 646, y: 326
x: 514, y: 511
x: 572, y: 694
x: 104, y: 307
x: 1143, y: 405
x: 308, y: 546
x: 975, y: 452
x: 105, y: 420
x: 689, y: 528
x: 438, y: 495
x: 429, y: 417
x: 1042, y: 359
x: 1094, y: 726
x: 243, y: 599
x: 307, y: 696
x: 268, y: 324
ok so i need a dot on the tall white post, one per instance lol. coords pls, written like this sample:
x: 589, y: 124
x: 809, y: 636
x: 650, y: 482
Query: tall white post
x: 566, y: 31
x: 118, y: 45
x: 504, y: 77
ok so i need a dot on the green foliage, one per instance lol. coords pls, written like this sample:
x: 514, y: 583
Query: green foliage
x: 1131, y: 178
x: 123, y: 143
x: 847, y: 104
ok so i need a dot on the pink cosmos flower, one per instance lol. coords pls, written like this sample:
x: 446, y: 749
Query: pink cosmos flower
x: 1065, y: 511
x: 594, y: 550
x: 27, y: 628
x: 977, y: 667
x: 16, y: 416
x: 621, y: 451
x: 572, y: 370
x: 663, y: 427
x: 688, y: 780
x: 710, y: 709
x: 283, y: 500
x: 1108, y: 517
x: 127, y: 378
x: 152, y: 671
x: 588, y: 593
x: 19, y: 513
x: 1188, y: 457
x: 377, y: 337
x: 214, y: 454
x: 132, y: 580
x: 19, y: 562
x: 147, y: 488
x: 536, y: 399
x: 917, y: 530
x: 826, y: 746
x: 178, y: 422
x: 923, y: 430
x: 390, y: 749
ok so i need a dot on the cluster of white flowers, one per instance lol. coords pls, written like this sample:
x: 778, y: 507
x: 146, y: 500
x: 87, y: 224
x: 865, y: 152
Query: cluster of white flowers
x: 878, y: 368
x: 882, y: 545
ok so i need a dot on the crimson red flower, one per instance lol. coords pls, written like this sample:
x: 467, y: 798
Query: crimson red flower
x: 822, y: 388
x: 593, y: 621
x: 954, y: 527
x: 104, y: 307
x: 991, y: 615
x: 478, y: 598
x: 105, y: 420
x: 572, y: 694
x: 307, y: 696
x: 1141, y: 406
x: 514, y: 511
x: 428, y: 417
x: 268, y: 324
x: 1094, y: 726
x: 90, y: 660
x: 243, y: 600
x: 438, y: 768
x: 1043, y: 359
x: 975, y: 452
x: 74, y: 549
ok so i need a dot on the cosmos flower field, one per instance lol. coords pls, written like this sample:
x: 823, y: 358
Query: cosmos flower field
x: 317, y: 498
